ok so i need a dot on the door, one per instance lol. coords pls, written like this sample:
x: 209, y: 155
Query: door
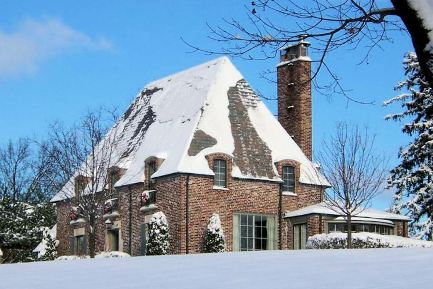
x: 299, y: 236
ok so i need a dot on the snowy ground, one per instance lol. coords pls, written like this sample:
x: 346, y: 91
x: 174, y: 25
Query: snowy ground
x: 307, y: 269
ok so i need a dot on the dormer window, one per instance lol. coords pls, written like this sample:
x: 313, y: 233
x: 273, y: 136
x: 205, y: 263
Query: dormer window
x: 151, y: 169
x: 288, y: 179
x: 114, y: 176
x: 220, y: 170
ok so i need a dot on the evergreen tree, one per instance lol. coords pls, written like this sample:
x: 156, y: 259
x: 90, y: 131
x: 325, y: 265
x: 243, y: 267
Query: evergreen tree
x: 21, y: 228
x: 50, y: 247
x: 158, y: 243
x: 214, y: 241
x: 413, y: 176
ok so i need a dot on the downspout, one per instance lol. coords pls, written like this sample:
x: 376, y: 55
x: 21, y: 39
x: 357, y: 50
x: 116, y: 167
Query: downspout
x: 130, y: 222
x: 280, y: 216
x: 187, y: 215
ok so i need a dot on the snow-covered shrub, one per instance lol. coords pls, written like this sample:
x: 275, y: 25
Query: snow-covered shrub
x: 214, y: 241
x: 112, y: 254
x: 158, y: 243
x: 48, y: 246
x: 363, y: 241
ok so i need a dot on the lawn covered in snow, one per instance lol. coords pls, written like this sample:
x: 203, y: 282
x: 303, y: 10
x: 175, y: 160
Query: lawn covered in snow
x: 306, y: 269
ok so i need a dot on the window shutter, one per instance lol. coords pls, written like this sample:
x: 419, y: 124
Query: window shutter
x: 236, y: 232
x: 71, y: 245
x: 84, y: 249
x: 143, y: 239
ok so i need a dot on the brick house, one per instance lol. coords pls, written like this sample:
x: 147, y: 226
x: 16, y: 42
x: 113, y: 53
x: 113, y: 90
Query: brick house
x: 201, y: 142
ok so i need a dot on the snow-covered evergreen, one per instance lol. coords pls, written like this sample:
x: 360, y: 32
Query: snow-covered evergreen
x: 47, y: 249
x: 214, y: 241
x: 21, y: 228
x: 413, y: 176
x: 158, y: 243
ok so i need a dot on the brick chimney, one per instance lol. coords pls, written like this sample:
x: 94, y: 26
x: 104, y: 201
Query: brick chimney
x: 294, y: 94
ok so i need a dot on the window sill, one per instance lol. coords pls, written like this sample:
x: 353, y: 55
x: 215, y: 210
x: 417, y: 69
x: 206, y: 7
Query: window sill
x: 220, y: 188
x: 111, y: 215
x: 77, y: 221
x: 151, y: 207
x: 290, y: 194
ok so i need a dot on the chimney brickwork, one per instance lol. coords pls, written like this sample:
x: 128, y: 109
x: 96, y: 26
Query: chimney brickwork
x: 294, y: 97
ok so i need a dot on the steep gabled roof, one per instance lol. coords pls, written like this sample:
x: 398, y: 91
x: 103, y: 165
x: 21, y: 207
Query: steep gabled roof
x: 206, y: 109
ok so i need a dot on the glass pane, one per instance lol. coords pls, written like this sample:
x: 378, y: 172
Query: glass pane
x: 244, y: 231
x: 295, y: 237
x: 250, y: 231
x: 244, y: 219
x: 264, y: 232
x: 250, y: 220
x: 250, y: 244
x: 244, y: 243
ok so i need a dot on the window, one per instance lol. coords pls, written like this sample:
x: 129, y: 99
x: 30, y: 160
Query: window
x: 113, y: 240
x: 151, y: 169
x: 220, y: 170
x: 370, y: 228
x: 253, y: 232
x: 288, y: 179
x: 299, y: 236
x: 79, y: 245
x: 114, y: 177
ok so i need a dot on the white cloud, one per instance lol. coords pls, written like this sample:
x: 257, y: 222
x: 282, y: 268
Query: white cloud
x: 23, y: 50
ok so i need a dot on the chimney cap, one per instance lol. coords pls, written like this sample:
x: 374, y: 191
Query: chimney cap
x: 301, y: 42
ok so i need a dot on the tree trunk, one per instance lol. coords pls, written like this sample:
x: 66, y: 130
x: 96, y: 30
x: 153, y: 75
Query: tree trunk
x: 419, y: 35
x: 92, y: 235
x: 349, y: 232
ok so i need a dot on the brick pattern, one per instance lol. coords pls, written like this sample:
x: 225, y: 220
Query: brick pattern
x: 251, y: 154
x: 241, y: 196
x: 200, y: 141
x: 294, y: 102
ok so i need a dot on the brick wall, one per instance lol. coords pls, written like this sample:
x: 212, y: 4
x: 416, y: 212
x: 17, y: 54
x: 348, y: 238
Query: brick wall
x: 294, y: 102
x: 241, y: 196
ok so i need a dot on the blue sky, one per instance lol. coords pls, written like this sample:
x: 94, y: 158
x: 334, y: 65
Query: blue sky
x: 60, y: 58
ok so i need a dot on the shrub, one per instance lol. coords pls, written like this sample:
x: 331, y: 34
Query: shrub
x: 214, y: 237
x: 364, y: 241
x: 158, y: 243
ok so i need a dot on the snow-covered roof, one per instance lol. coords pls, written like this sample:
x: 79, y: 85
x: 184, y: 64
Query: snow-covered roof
x: 206, y: 109
x: 323, y: 209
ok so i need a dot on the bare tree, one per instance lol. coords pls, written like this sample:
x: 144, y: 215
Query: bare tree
x: 355, y: 171
x: 273, y: 24
x: 24, y: 172
x: 84, y: 156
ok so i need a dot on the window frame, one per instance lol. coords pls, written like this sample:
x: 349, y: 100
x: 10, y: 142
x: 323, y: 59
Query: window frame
x: 266, y: 241
x: 286, y: 186
x: 218, y: 182
x: 151, y: 168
